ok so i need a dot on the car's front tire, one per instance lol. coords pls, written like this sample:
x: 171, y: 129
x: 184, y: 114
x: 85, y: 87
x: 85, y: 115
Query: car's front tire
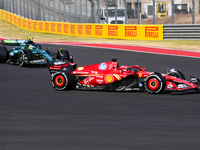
x: 155, y: 83
x: 63, y: 55
x: 24, y: 57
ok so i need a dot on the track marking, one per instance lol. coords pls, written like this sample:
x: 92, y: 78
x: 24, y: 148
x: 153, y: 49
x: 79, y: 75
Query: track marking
x: 143, y: 49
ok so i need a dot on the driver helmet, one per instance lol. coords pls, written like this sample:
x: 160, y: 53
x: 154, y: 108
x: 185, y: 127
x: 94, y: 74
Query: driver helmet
x: 32, y: 47
x: 124, y: 67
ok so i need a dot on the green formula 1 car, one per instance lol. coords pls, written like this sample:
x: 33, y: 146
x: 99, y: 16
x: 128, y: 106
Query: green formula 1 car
x: 26, y: 52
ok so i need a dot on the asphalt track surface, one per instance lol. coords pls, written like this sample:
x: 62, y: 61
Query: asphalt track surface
x: 33, y: 116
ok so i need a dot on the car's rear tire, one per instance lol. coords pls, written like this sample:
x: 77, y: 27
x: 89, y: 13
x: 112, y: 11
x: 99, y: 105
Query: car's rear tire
x: 176, y: 73
x: 3, y: 54
x: 22, y: 55
x: 155, y: 83
x: 60, y: 81
x: 63, y: 55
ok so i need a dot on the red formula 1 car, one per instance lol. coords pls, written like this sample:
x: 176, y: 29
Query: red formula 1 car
x: 110, y: 76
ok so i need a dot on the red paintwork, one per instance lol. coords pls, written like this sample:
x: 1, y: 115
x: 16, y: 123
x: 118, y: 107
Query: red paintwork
x: 110, y: 72
x: 170, y: 84
x: 153, y: 84
x: 61, y: 78
x: 57, y: 67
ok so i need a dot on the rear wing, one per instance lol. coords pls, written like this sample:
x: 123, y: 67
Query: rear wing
x: 12, y: 42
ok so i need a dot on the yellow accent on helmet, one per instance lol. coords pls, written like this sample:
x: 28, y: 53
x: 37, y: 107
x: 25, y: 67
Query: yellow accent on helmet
x: 32, y: 47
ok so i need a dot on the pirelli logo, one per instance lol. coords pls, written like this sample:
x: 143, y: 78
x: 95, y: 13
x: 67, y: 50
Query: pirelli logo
x: 46, y: 26
x: 15, y: 19
x: 40, y: 26
x: 29, y: 25
x: 19, y: 22
x: 24, y: 23
x: 6, y: 15
x: 72, y: 29
x: 98, y: 30
x: 66, y: 28
x: 34, y: 25
x: 10, y: 17
x: 112, y: 30
x: 80, y: 29
x: 151, y: 32
x: 2, y: 14
x: 59, y: 28
x: 131, y: 31
x: 53, y: 27
x: 88, y: 30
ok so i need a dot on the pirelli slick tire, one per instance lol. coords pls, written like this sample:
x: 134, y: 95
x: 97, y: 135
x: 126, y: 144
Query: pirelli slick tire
x: 62, y: 81
x: 155, y: 83
x: 63, y: 55
x: 24, y: 57
x: 176, y: 73
x: 3, y: 54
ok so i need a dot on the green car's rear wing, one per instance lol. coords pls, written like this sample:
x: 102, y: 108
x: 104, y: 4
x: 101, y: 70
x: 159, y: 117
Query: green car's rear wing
x: 12, y: 42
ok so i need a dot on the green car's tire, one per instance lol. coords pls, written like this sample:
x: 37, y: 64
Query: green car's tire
x: 63, y: 55
x: 3, y: 54
x: 24, y: 57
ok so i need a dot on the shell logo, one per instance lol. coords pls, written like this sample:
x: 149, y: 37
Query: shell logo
x: 109, y: 78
